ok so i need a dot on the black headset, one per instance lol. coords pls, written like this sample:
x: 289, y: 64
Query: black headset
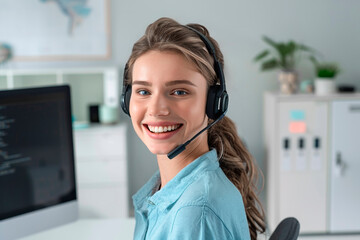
x: 217, y: 97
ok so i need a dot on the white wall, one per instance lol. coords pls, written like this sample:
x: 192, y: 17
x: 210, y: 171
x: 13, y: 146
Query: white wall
x: 330, y: 26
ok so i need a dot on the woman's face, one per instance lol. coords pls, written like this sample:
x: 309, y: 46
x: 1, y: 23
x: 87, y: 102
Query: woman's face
x: 168, y: 100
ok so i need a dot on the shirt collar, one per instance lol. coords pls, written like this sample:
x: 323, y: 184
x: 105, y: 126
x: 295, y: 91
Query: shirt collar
x: 176, y: 186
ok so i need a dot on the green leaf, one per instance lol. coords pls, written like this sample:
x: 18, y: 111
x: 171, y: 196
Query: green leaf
x: 283, y: 53
x: 291, y: 47
x: 261, y: 55
x: 327, y: 70
x: 270, y: 42
x: 326, y: 73
x: 306, y: 48
x: 282, y: 48
x: 270, y: 64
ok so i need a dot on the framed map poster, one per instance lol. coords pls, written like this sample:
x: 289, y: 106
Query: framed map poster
x: 42, y: 30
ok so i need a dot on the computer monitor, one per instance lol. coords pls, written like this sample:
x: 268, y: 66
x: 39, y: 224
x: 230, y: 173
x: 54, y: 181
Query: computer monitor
x: 37, y: 170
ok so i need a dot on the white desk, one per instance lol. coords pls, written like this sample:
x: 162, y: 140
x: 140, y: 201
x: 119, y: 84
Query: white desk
x: 90, y: 229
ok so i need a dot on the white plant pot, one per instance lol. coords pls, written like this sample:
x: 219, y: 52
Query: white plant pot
x: 325, y: 86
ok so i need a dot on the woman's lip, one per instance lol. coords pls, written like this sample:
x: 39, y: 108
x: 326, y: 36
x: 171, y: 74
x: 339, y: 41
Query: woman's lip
x: 161, y: 124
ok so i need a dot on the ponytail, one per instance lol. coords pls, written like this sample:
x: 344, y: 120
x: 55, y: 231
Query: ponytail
x: 238, y: 166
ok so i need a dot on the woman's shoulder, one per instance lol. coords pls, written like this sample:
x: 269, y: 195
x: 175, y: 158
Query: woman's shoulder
x: 214, y: 190
x: 215, y: 200
x: 203, y: 221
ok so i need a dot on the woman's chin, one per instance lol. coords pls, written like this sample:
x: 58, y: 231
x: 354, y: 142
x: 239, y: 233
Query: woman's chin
x: 160, y: 151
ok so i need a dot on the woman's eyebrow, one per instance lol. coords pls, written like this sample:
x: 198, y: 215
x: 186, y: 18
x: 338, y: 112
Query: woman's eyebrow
x: 175, y: 82
x: 144, y: 83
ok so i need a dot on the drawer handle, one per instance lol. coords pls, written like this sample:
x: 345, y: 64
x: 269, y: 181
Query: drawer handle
x: 354, y: 108
x: 340, y: 165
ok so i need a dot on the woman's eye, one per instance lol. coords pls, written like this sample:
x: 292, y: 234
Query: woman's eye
x: 179, y: 92
x: 143, y: 92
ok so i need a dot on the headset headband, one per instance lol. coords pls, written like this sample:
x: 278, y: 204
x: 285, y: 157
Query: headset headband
x: 211, y: 49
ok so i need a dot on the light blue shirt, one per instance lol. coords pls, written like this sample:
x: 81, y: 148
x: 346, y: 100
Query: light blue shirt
x: 200, y: 202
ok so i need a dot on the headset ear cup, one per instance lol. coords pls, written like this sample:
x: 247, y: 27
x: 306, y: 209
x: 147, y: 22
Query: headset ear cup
x: 211, y: 102
x: 217, y: 102
x: 125, y: 99
x: 224, y: 101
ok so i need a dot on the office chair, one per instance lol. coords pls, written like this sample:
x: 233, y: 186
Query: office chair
x: 288, y: 229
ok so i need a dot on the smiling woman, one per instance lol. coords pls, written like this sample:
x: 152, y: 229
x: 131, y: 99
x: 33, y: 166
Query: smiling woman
x: 207, y: 191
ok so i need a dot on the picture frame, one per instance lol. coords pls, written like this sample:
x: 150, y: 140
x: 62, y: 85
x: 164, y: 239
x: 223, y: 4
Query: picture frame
x: 46, y: 30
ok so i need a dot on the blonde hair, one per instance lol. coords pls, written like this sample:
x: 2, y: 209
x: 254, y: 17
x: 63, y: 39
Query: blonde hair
x: 166, y: 34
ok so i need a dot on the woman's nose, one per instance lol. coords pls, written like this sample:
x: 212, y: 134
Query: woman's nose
x: 158, y: 106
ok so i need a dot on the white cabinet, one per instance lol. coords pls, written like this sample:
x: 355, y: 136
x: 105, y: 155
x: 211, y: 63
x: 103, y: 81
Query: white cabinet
x: 101, y: 169
x: 312, y: 163
x: 345, y: 167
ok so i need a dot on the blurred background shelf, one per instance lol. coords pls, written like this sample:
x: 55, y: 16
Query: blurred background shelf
x: 88, y: 85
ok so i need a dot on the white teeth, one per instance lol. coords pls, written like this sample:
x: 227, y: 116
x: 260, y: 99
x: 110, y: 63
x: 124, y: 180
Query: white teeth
x: 161, y: 129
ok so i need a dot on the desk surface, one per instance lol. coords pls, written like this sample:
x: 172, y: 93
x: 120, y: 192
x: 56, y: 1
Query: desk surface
x: 89, y: 229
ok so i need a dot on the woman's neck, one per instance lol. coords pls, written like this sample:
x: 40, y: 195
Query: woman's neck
x: 170, y: 168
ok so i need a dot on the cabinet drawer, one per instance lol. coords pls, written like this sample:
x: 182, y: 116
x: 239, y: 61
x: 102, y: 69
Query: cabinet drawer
x: 100, y: 158
x: 91, y: 144
x: 101, y: 171
x: 103, y: 201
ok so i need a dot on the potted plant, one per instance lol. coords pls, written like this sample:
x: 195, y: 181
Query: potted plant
x: 283, y: 56
x: 326, y: 73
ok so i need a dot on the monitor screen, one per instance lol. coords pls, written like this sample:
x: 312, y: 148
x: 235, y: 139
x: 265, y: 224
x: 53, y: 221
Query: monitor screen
x: 37, y: 171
